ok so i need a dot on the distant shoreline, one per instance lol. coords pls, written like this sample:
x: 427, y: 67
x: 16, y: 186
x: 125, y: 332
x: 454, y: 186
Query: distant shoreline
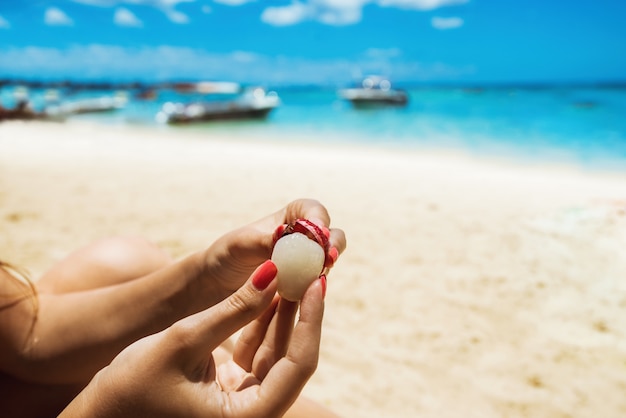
x: 98, y: 84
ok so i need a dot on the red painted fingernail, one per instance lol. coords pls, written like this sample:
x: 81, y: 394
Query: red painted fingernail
x: 331, y: 257
x: 278, y: 232
x: 323, y: 279
x: 264, y: 274
x: 333, y: 253
x: 326, y: 232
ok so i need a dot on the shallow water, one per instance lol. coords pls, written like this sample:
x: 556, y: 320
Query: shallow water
x: 585, y: 125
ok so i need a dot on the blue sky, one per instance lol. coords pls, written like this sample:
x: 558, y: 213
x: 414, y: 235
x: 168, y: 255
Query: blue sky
x: 315, y: 41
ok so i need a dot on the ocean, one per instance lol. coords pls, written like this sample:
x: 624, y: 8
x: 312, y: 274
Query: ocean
x: 584, y: 125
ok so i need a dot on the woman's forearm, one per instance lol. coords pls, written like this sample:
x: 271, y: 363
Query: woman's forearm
x: 76, y: 334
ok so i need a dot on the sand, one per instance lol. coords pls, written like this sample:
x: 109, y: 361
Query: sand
x: 470, y: 287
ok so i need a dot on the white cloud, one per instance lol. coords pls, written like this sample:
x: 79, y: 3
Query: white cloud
x: 161, y: 4
x: 168, y: 7
x: 101, y: 3
x: 233, y: 2
x: 330, y: 12
x: 176, y: 16
x: 286, y: 15
x: 340, y: 12
x: 446, y: 22
x: 340, y: 17
x: 334, y: 12
x: 4, y: 24
x: 244, y: 56
x: 124, y: 17
x: 420, y: 4
x: 56, y: 17
x: 166, y: 62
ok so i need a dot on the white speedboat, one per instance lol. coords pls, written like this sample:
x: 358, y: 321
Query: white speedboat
x: 254, y: 103
x: 375, y: 91
x: 87, y: 105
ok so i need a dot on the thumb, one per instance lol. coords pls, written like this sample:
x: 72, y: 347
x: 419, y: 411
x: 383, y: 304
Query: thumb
x: 201, y: 333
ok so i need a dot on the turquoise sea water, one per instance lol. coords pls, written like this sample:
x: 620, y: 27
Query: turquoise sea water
x: 585, y: 125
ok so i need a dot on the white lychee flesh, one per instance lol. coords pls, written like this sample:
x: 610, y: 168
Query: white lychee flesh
x: 299, y: 261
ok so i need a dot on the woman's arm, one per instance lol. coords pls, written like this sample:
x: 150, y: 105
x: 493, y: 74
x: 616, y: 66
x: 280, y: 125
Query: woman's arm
x: 66, y: 338
x: 172, y: 373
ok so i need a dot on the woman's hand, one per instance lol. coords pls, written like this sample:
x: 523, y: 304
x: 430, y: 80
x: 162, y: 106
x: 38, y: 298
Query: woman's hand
x: 173, y: 373
x: 233, y: 257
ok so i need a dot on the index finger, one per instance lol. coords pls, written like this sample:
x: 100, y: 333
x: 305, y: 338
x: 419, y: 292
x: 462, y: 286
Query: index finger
x: 263, y: 230
x: 308, y: 209
x: 316, y: 212
x: 202, y: 332
x: 287, y: 377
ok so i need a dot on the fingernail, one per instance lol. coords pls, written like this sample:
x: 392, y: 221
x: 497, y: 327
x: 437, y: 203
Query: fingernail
x: 278, y: 232
x: 323, y: 280
x: 331, y: 257
x: 333, y: 253
x: 326, y: 232
x: 264, y: 274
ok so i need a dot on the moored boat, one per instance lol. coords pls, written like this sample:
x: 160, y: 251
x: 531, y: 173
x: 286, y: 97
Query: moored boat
x: 22, y: 111
x: 375, y: 91
x: 89, y: 105
x: 254, y: 103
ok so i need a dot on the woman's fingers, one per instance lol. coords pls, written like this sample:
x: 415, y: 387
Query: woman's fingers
x: 199, y: 334
x: 257, y: 239
x: 287, y: 377
x: 314, y: 211
x: 276, y: 340
x: 306, y: 208
x: 338, y: 239
x: 252, y: 337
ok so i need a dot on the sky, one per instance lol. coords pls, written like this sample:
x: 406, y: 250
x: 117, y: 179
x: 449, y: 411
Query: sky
x: 315, y: 41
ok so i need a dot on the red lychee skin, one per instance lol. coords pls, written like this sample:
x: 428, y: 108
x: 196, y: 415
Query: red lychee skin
x: 312, y: 231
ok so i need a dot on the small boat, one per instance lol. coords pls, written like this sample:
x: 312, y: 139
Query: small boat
x: 254, y: 103
x: 206, y: 87
x: 375, y: 91
x: 91, y: 105
x: 22, y: 111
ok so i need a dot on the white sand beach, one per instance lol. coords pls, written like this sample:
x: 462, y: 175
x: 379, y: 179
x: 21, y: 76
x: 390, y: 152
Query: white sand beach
x: 469, y: 288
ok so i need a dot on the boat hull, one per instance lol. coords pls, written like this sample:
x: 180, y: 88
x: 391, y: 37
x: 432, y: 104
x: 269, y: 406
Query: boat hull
x: 381, y: 102
x: 254, y: 103
x: 239, y: 114
x: 368, y: 98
